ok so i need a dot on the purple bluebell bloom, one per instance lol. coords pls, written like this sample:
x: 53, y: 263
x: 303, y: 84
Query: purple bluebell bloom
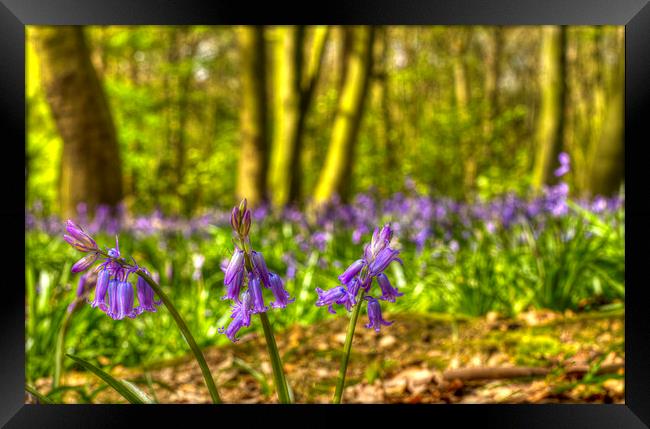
x: 389, y: 293
x: 357, y: 278
x: 145, y: 297
x: 123, y: 301
x: 352, y: 271
x: 374, y: 315
x: 255, y: 290
x: 260, y: 266
x: 112, y: 277
x: 282, y: 297
x: 233, y: 289
x: 236, y: 265
x: 565, y: 167
x: 338, y: 295
x: 247, y: 264
x: 382, y: 259
x: 100, y: 290
x: 241, y: 315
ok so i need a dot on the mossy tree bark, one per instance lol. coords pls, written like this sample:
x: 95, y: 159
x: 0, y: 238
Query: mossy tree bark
x: 253, y: 162
x: 462, y: 97
x: 336, y: 172
x: 550, y: 125
x: 295, y: 78
x: 607, y: 160
x: 492, y: 78
x: 91, y: 169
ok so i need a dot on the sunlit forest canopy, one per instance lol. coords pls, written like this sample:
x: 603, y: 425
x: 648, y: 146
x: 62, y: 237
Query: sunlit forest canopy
x: 186, y: 118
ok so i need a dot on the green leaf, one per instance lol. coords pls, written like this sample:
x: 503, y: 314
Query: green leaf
x: 120, y: 386
x: 42, y: 398
x: 146, y: 399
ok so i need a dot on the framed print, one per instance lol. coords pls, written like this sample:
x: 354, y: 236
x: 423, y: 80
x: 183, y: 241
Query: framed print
x: 370, y: 209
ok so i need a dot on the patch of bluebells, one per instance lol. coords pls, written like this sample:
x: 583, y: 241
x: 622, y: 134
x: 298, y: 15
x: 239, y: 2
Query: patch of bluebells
x: 423, y: 220
x: 357, y: 280
x: 114, y: 294
x: 246, y: 274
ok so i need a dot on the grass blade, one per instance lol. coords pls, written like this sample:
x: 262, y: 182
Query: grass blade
x: 119, y: 386
x: 41, y: 398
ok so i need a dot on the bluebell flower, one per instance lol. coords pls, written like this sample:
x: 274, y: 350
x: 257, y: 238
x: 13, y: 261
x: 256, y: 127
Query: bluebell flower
x: 247, y: 269
x: 282, y: 297
x: 388, y: 292
x: 241, y: 315
x: 352, y: 271
x: 374, y: 315
x: 358, y: 278
x: 338, y: 295
x: 114, y: 293
x: 145, y: 296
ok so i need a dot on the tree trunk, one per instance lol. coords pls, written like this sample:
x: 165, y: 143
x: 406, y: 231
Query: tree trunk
x: 492, y: 78
x: 335, y: 175
x: 608, y: 159
x: 462, y: 93
x: 90, y: 163
x: 308, y: 86
x: 253, y: 162
x: 288, y: 59
x: 550, y: 127
x: 383, y: 87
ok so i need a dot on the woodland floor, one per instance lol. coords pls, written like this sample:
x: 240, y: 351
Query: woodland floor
x: 419, y: 359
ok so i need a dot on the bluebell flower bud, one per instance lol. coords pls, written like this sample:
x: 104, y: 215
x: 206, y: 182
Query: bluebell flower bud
x: 78, y: 238
x: 84, y: 263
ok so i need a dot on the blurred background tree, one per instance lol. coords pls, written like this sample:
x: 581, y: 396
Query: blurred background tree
x: 183, y: 118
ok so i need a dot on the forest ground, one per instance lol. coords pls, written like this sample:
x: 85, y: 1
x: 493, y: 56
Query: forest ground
x: 537, y: 357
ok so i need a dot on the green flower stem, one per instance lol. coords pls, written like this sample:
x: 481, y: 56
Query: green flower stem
x: 346, y: 351
x: 278, y: 373
x: 279, y: 378
x: 60, y: 343
x: 207, y: 375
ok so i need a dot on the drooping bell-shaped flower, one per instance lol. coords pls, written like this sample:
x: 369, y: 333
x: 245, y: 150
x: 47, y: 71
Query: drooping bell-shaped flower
x: 352, y: 271
x: 233, y: 289
x: 282, y: 297
x: 260, y: 266
x: 389, y: 293
x: 124, y: 301
x: 100, y: 290
x: 145, y: 297
x: 256, y: 294
x: 235, y: 266
x: 383, y: 258
x: 329, y: 297
x: 241, y: 315
x: 374, y: 315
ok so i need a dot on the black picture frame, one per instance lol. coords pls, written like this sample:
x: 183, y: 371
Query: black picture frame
x: 634, y: 14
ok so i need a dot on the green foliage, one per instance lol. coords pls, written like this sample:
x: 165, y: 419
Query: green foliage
x: 576, y: 263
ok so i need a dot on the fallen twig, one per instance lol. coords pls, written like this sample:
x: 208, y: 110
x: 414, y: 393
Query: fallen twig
x: 494, y: 373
